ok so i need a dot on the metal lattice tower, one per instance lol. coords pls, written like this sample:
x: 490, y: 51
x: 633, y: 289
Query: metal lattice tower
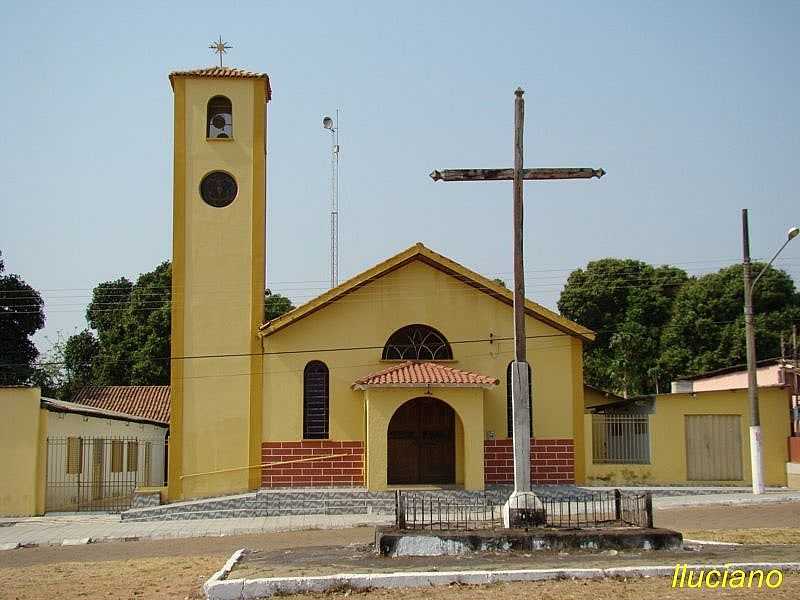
x: 333, y: 126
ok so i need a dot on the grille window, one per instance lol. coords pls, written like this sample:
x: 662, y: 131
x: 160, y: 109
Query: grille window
x: 315, y: 401
x: 74, y: 453
x: 133, y: 456
x: 509, y: 409
x: 417, y: 342
x: 117, y: 448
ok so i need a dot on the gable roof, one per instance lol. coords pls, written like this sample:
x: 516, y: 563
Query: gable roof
x: 149, y: 402
x: 417, y: 374
x: 423, y: 254
x: 223, y: 72
x: 61, y: 406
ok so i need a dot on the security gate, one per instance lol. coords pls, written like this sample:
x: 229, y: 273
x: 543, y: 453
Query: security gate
x: 713, y: 448
x: 97, y: 473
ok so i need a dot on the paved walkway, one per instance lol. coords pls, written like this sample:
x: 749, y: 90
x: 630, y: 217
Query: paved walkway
x: 732, y: 499
x: 77, y: 528
x: 68, y: 529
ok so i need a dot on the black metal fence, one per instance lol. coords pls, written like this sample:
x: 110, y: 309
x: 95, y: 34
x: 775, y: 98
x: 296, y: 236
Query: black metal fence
x: 415, y: 510
x: 100, y: 473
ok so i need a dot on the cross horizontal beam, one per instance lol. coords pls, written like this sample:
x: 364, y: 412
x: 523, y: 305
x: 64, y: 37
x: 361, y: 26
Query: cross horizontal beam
x: 508, y: 174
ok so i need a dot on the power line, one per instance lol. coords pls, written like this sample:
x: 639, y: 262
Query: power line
x: 491, y: 339
x: 714, y: 262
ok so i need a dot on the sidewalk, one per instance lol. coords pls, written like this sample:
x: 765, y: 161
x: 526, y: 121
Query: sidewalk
x: 733, y: 499
x: 105, y: 528
x: 77, y: 528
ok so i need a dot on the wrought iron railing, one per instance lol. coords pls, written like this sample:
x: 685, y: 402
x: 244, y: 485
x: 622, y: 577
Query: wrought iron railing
x: 100, y: 473
x: 430, y: 511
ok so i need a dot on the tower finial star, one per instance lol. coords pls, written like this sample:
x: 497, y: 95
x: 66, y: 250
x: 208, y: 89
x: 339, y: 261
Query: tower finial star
x: 220, y: 47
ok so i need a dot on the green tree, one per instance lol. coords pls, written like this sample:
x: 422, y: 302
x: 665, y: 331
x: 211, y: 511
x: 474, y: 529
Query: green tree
x: 706, y: 330
x: 49, y: 374
x: 275, y: 305
x: 128, y: 340
x: 79, y: 356
x: 132, y: 325
x: 627, y: 303
x: 21, y: 315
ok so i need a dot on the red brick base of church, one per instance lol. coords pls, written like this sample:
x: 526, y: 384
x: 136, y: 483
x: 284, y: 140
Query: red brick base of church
x: 325, y: 464
x: 552, y: 461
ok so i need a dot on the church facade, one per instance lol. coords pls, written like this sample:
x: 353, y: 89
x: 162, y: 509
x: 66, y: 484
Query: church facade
x: 397, y: 377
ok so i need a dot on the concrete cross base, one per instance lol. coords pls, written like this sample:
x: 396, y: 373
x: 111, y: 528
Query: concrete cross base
x: 523, y: 509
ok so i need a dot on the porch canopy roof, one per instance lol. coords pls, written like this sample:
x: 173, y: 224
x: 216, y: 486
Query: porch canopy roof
x: 424, y: 374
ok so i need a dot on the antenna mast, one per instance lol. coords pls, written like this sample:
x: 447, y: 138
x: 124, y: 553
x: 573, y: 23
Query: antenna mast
x: 333, y: 126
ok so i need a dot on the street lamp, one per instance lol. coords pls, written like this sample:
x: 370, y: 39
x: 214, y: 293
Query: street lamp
x: 756, y: 459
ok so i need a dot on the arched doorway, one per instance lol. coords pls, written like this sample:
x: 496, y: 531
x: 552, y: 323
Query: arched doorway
x: 421, y: 443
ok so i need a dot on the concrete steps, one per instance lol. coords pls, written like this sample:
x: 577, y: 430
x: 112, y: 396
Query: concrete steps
x: 276, y: 502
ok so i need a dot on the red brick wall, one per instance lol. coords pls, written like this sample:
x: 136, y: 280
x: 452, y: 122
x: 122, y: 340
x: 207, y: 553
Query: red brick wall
x: 552, y: 461
x: 339, y: 464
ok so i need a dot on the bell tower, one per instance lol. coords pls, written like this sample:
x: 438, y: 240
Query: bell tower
x: 218, y: 247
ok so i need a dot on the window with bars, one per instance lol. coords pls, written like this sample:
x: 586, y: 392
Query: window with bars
x: 509, y: 409
x: 620, y: 439
x: 74, y: 455
x: 315, y: 400
x: 133, y: 456
x: 417, y: 342
x: 117, y: 449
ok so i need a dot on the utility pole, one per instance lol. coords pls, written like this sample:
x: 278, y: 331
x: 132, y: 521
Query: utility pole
x: 796, y: 386
x: 756, y: 460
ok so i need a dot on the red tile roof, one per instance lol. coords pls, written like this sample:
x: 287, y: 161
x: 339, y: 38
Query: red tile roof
x: 412, y: 374
x: 149, y: 402
x: 229, y: 72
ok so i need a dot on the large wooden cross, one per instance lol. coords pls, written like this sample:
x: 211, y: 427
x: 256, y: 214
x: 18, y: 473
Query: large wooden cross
x: 521, y: 411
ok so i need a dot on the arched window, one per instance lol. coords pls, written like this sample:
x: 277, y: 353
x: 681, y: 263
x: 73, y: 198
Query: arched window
x: 509, y: 410
x: 315, y: 401
x: 219, y: 118
x: 417, y: 342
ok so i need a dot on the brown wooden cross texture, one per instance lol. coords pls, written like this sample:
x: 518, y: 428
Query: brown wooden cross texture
x: 519, y: 389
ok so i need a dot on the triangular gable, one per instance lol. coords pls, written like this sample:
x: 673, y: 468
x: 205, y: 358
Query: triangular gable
x: 437, y: 261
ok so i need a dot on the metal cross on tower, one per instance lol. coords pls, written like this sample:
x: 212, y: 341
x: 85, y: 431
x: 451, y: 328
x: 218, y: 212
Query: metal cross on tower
x: 519, y: 371
x: 220, y: 47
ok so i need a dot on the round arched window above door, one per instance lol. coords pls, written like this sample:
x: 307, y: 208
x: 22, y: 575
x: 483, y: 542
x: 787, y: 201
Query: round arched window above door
x: 417, y: 342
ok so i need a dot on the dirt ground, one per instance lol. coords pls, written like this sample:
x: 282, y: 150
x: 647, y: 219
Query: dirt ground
x: 609, y: 589
x: 778, y: 515
x: 176, y: 569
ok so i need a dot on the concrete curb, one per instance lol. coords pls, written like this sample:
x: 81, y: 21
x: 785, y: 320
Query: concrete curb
x: 76, y: 541
x: 710, y: 543
x: 218, y: 588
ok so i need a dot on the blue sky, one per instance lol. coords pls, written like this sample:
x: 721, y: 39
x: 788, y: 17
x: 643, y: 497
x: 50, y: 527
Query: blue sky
x: 691, y: 108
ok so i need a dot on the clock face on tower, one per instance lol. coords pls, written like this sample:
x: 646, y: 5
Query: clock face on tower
x: 218, y: 189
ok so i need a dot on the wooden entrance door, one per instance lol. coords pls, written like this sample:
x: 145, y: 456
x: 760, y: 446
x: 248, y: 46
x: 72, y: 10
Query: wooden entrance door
x: 421, y: 443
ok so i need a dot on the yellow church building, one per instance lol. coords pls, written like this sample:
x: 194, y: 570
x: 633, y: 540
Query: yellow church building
x: 397, y: 377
